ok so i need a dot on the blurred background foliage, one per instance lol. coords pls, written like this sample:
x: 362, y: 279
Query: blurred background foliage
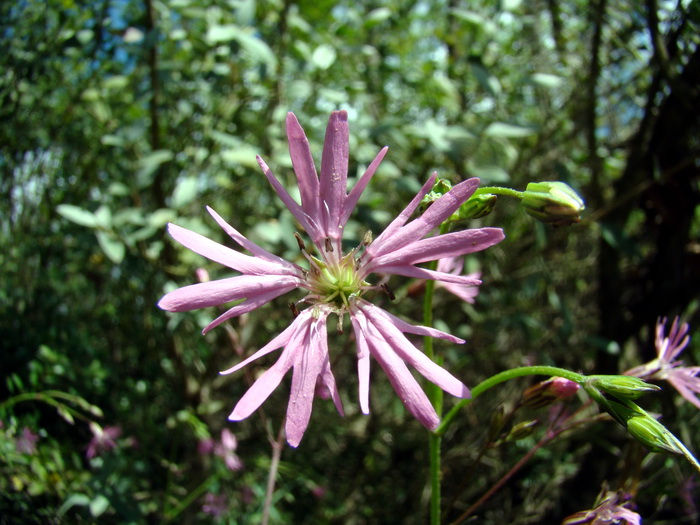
x: 118, y: 116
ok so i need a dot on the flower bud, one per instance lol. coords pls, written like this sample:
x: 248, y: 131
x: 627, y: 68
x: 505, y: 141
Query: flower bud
x: 477, y: 206
x: 653, y: 435
x: 549, y: 391
x: 552, y: 202
x: 622, y: 387
x: 522, y: 430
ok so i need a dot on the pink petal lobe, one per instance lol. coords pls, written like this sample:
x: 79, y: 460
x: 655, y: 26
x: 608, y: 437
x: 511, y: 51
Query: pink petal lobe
x: 363, y: 365
x: 303, y: 164
x: 226, y: 256
x: 354, y: 195
x: 247, y: 244
x: 222, y: 291
x: 313, y: 348
x: 334, y: 172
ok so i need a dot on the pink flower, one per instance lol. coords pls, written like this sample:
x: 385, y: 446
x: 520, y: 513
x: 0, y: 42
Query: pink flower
x: 226, y: 449
x: 103, y: 440
x: 667, y: 367
x: 26, y: 443
x: 215, y: 504
x: 455, y: 265
x: 611, y: 510
x: 336, y: 283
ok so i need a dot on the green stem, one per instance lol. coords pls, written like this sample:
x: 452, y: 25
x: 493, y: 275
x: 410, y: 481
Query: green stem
x: 501, y: 378
x: 497, y: 190
x: 435, y: 395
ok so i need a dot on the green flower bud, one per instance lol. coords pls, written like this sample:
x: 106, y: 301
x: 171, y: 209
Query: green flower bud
x: 622, y: 387
x: 653, y: 435
x: 552, y: 202
x: 476, y: 207
x: 522, y: 430
x: 440, y: 187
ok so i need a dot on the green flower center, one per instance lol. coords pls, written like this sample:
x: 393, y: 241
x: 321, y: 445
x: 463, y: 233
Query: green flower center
x: 336, y: 282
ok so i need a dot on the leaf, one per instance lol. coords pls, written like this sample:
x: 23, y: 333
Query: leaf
x: 324, y: 56
x: 257, y: 49
x: 98, y: 505
x: 149, y: 164
x: 511, y: 131
x: 222, y: 33
x: 378, y: 15
x: 73, y: 500
x: 185, y: 192
x: 77, y: 215
x: 111, y: 246
x: 547, y: 80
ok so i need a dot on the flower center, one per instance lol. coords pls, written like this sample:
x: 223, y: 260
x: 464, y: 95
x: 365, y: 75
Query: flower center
x: 335, y: 282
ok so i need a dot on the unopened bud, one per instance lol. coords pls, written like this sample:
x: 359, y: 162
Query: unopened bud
x: 653, y: 435
x: 553, y: 202
x: 522, y: 430
x: 476, y: 207
x: 549, y: 391
x: 622, y: 387
x: 440, y: 187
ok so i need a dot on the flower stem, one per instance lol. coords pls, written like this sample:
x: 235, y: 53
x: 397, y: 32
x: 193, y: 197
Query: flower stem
x: 497, y: 190
x: 501, y: 378
x: 436, y: 397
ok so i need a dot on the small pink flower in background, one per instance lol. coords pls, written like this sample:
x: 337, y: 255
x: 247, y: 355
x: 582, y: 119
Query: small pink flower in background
x: 26, y: 443
x: 226, y: 450
x: 215, y: 504
x: 455, y: 266
x: 612, y: 509
x: 336, y: 283
x: 103, y: 439
x: 667, y: 367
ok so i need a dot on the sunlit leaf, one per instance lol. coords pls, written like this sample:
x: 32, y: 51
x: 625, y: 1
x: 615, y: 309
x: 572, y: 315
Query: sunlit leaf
x: 77, y: 215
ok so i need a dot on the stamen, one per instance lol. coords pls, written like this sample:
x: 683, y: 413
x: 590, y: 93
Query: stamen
x: 300, y: 242
x: 294, y: 309
x: 388, y: 291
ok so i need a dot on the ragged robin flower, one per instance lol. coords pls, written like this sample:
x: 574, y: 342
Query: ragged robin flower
x: 337, y: 283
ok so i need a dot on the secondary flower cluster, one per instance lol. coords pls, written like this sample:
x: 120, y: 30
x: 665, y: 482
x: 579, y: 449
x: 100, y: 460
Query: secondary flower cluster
x: 336, y: 283
x: 667, y: 366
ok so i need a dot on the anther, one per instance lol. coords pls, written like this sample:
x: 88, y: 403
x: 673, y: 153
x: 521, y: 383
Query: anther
x: 367, y: 239
x: 339, y: 327
x: 329, y: 245
x: 294, y: 309
x: 300, y: 242
x: 388, y: 291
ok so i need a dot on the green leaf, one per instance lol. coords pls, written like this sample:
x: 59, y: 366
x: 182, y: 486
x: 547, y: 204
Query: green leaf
x: 77, y: 215
x: 73, y: 500
x: 324, y: 56
x: 547, y: 80
x: 257, y: 49
x: 185, y: 192
x: 511, y: 131
x: 149, y: 164
x: 111, y: 246
x: 222, y: 33
x: 99, y: 505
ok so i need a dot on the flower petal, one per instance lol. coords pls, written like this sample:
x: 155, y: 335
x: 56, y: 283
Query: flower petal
x: 360, y: 186
x: 407, y: 388
x: 334, y: 173
x: 309, y: 223
x: 409, y: 353
x: 313, y: 349
x: 253, y: 248
x: 436, y: 213
x: 219, y: 253
x: 363, y: 364
x: 304, y: 167
x: 222, y: 291
x: 247, y: 306
x: 446, y: 245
